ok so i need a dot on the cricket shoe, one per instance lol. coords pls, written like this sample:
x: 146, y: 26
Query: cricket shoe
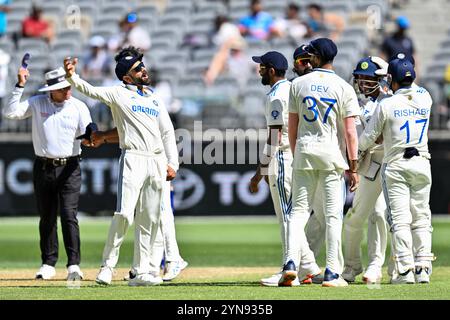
x: 173, y: 269
x: 46, y: 272
x: 372, y: 275
x: 130, y: 275
x: 317, y: 279
x: 403, y: 278
x: 288, y: 275
x: 74, y: 273
x: 273, y: 281
x: 422, y: 275
x: 307, y: 272
x: 105, y: 275
x: 145, y: 279
x: 350, y: 273
x: 331, y: 279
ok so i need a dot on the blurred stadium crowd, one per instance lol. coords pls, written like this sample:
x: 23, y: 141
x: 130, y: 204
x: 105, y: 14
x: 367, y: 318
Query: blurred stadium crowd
x: 199, y: 51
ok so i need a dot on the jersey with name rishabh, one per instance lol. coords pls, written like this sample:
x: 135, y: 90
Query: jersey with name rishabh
x: 403, y: 120
x: 322, y: 100
x: 277, y: 112
x: 142, y: 121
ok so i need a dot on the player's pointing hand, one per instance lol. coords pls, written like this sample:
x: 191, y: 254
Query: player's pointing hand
x: 69, y: 66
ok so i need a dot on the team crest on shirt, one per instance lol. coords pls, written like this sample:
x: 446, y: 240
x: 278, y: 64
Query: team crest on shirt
x: 275, y: 114
x: 44, y: 114
x: 155, y: 102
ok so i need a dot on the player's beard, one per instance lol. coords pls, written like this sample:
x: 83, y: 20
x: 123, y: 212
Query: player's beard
x: 265, y: 79
x: 302, y: 73
x: 141, y: 82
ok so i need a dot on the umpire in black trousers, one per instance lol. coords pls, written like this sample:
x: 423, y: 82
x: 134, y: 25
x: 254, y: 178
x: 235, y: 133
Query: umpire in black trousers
x: 57, y: 119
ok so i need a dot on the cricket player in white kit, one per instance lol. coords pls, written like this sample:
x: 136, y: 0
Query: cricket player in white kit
x: 165, y: 245
x: 315, y: 228
x: 149, y: 157
x: 320, y: 105
x: 368, y: 202
x: 403, y: 121
x: 276, y: 161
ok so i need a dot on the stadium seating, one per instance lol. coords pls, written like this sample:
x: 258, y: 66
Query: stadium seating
x: 181, y: 48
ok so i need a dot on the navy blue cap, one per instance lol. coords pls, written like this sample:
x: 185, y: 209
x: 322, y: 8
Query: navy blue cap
x: 273, y: 58
x: 125, y: 64
x: 323, y: 47
x: 300, y: 51
x: 402, y: 55
x: 366, y: 67
x: 400, y: 69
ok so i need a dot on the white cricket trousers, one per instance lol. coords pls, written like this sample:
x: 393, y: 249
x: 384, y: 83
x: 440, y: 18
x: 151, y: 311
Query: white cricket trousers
x: 280, y: 180
x: 165, y: 242
x: 406, y: 188
x: 305, y: 185
x: 315, y: 228
x: 141, y: 178
x: 368, y: 205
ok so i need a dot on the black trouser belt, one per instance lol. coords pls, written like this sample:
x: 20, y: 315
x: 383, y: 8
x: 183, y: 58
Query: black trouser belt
x: 57, y: 162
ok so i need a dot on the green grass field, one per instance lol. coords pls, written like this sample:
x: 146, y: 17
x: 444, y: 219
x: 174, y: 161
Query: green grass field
x: 227, y: 257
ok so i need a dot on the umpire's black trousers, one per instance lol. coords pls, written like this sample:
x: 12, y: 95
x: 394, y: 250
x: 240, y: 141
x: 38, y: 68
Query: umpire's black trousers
x: 57, y: 188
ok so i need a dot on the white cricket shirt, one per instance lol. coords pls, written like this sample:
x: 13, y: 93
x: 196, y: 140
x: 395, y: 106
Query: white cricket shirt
x: 277, y: 110
x: 142, y: 121
x: 322, y: 100
x: 54, y: 126
x: 403, y: 119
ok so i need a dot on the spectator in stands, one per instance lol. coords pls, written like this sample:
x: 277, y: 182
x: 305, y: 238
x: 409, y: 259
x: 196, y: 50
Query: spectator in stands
x: 131, y: 34
x: 258, y: 24
x: 4, y: 9
x: 291, y: 26
x: 5, y: 58
x: 97, y: 62
x: 447, y: 92
x: 233, y: 59
x: 398, y: 42
x: 35, y: 26
x: 323, y: 24
x: 164, y: 90
x: 224, y: 30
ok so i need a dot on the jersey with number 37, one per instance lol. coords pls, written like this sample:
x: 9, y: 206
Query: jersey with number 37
x: 403, y: 120
x: 322, y: 100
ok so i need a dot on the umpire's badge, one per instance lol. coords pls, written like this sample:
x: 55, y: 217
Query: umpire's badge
x: 364, y: 65
x: 155, y: 102
x: 275, y: 114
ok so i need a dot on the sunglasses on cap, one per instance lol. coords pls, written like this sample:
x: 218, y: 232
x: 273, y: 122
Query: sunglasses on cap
x: 139, y: 67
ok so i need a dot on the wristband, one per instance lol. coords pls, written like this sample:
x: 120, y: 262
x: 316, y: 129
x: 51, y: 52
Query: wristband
x: 19, y: 86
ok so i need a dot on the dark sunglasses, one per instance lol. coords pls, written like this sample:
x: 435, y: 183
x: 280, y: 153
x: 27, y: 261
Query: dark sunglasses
x: 303, y: 61
x: 139, y: 67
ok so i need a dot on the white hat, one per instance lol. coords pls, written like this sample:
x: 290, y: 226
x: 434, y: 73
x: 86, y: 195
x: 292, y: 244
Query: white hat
x: 55, y: 79
x: 97, y: 41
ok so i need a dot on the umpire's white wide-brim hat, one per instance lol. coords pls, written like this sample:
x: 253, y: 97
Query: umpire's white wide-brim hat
x: 55, y: 79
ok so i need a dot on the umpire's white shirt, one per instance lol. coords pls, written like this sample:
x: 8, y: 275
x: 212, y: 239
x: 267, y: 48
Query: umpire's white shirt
x: 403, y: 120
x: 54, y: 126
x: 142, y: 121
x: 322, y: 100
x: 277, y: 110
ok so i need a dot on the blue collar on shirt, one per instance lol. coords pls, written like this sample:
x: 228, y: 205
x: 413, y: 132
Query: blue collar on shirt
x: 323, y: 70
x: 275, y: 86
x: 139, y: 92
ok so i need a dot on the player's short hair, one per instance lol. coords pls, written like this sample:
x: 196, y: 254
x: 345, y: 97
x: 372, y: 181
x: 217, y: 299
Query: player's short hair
x: 280, y: 73
x: 315, y: 6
